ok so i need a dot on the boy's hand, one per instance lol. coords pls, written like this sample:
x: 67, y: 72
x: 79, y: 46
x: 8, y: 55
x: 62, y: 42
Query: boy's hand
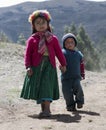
x: 63, y: 69
x: 83, y: 76
x: 29, y: 71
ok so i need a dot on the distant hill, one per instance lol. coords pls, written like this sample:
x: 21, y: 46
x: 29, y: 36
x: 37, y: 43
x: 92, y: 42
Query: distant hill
x: 92, y: 15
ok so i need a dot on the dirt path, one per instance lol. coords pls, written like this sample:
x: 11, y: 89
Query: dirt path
x: 19, y: 114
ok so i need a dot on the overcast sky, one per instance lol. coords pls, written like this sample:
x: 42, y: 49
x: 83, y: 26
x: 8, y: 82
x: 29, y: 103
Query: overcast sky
x: 5, y: 3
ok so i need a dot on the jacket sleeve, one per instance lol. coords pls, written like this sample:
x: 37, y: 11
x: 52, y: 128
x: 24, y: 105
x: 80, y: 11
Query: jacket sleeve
x: 28, y: 52
x: 82, y: 68
x: 59, y: 53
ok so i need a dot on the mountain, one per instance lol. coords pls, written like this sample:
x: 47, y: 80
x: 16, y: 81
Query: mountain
x: 92, y: 15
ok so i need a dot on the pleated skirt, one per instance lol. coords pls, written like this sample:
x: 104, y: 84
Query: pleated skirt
x: 43, y: 84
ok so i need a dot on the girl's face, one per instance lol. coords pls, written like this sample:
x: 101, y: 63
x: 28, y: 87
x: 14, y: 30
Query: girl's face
x: 69, y: 43
x: 41, y: 24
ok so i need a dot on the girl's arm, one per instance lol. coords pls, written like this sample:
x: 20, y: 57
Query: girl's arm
x: 59, y: 53
x: 28, y: 53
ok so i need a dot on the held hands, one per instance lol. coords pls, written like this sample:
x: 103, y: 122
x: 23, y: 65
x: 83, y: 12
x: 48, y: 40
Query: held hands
x: 83, y: 76
x: 29, y: 71
x: 62, y: 68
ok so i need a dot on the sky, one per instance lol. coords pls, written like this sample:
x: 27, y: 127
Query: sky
x: 96, y: 0
x: 6, y: 3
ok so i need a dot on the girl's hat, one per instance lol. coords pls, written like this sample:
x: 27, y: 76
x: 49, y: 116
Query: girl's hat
x: 69, y: 35
x: 39, y: 13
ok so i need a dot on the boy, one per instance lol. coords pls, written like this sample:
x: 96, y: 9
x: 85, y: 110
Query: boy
x: 71, y: 87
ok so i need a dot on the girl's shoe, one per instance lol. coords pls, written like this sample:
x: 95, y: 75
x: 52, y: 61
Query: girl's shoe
x: 44, y: 114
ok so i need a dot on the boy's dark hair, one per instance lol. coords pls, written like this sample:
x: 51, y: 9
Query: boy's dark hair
x: 68, y: 35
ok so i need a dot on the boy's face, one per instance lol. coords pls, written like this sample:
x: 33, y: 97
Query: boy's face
x: 69, y: 43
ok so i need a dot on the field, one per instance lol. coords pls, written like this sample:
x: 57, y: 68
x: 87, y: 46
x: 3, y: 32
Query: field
x: 20, y: 114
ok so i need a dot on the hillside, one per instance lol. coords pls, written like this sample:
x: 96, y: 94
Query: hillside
x: 92, y: 15
x: 19, y: 114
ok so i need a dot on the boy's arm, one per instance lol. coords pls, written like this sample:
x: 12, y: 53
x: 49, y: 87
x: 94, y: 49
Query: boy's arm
x: 82, y: 68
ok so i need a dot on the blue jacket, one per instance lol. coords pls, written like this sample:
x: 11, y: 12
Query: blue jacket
x: 73, y: 59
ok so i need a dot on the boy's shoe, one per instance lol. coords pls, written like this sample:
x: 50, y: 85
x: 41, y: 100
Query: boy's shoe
x: 79, y: 105
x: 71, y: 109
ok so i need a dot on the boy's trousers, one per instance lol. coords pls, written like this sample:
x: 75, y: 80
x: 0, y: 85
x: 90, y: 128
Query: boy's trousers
x: 72, y: 91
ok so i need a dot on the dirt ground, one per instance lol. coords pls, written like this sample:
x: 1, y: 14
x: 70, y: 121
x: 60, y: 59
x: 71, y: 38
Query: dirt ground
x: 20, y: 114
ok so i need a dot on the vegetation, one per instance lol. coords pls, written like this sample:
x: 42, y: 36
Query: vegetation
x: 21, y: 39
x: 85, y: 45
x: 102, y: 52
x: 3, y: 37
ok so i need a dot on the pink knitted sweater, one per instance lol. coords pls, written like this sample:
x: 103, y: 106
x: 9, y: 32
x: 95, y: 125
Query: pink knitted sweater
x: 33, y: 58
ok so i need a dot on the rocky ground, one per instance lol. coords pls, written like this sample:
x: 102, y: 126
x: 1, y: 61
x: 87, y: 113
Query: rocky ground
x: 20, y: 114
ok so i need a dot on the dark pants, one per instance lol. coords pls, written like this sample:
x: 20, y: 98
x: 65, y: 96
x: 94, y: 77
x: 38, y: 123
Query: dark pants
x: 72, y: 91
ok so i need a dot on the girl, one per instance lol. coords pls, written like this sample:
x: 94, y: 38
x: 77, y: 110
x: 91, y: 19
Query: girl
x: 41, y: 83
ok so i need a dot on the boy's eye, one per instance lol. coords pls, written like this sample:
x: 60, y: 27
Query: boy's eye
x: 70, y: 43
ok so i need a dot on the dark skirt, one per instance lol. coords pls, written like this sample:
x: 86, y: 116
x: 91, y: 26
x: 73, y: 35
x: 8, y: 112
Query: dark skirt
x: 43, y: 84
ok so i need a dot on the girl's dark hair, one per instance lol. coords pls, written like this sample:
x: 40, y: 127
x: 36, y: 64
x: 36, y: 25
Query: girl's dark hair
x: 33, y: 28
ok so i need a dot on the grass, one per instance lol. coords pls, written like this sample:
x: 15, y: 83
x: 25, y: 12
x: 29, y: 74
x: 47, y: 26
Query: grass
x: 48, y: 127
x: 14, y: 91
x: 12, y: 95
x: 2, y: 44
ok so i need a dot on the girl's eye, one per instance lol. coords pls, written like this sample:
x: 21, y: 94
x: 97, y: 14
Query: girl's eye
x: 37, y: 23
x: 40, y: 23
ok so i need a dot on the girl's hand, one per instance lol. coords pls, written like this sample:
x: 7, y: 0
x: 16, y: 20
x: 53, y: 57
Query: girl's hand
x: 63, y: 69
x: 83, y: 76
x: 29, y: 71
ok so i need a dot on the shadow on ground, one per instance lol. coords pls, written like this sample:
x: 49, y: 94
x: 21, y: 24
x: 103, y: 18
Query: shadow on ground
x: 67, y: 118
